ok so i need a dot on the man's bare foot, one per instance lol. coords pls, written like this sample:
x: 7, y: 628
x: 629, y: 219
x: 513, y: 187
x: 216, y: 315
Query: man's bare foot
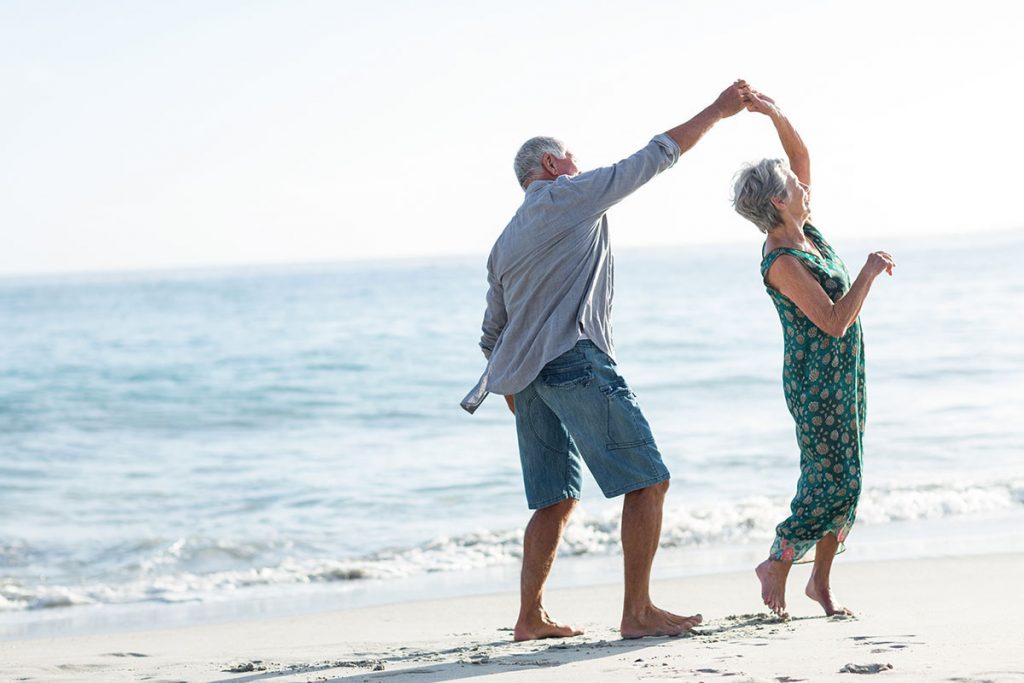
x: 652, y: 621
x: 539, y: 625
x: 823, y: 596
x: 773, y: 574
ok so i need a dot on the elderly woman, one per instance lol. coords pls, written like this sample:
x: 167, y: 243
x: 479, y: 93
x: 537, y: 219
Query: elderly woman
x: 823, y: 370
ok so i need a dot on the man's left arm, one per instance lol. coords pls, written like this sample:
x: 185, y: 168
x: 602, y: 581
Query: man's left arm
x: 495, y: 315
x: 495, y: 318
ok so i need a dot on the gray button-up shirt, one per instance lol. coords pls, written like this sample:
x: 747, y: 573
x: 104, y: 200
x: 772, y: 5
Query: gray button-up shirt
x: 551, y: 271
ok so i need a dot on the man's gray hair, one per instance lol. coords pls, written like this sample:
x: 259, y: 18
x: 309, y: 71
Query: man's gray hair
x: 529, y: 156
x: 753, y: 189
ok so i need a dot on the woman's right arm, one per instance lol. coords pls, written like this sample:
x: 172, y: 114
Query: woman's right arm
x: 793, y: 281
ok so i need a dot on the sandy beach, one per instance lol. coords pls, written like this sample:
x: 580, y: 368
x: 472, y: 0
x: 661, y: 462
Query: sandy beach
x: 949, y: 619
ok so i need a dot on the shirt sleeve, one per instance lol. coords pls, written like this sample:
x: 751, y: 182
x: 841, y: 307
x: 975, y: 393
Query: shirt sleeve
x: 594, y: 192
x: 495, y: 316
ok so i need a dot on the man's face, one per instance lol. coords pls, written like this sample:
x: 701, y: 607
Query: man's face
x: 566, y: 166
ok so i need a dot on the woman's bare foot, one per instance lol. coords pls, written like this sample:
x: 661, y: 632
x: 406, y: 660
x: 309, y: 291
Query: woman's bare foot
x: 773, y: 575
x: 652, y: 621
x: 539, y: 625
x: 823, y: 596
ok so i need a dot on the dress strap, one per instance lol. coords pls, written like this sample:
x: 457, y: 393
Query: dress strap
x: 819, y: 240
x: 774, y: 254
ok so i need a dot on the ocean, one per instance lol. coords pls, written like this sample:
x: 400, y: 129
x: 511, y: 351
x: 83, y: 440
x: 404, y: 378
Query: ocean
x: 190, y: 446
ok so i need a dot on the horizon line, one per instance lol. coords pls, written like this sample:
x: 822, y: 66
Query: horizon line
x: 401, y: 259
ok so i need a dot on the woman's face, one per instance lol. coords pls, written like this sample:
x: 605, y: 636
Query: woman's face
x: 798, y: 204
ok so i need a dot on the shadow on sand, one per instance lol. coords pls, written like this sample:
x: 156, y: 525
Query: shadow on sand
x: 486, y: 658
x: 476, y: 659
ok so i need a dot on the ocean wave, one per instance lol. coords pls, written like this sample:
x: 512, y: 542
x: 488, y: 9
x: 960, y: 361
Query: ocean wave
x: 934, y: 501
x: 684, y: 526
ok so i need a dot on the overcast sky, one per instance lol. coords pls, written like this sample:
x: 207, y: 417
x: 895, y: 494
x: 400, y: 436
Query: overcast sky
x: 167, y: 134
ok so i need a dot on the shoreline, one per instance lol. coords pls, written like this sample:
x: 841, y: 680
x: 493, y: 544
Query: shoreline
x: 979, y: 534
x: 922, y: 539
x: 930, y: 619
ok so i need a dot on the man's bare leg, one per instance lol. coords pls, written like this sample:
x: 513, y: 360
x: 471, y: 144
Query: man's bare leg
x: 818, y: 588
x: 540, y: 543
x: 773, y: 575
x: 641, y: 531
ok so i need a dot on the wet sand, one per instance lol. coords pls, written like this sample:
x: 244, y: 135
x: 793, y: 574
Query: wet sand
x: 955, y: 619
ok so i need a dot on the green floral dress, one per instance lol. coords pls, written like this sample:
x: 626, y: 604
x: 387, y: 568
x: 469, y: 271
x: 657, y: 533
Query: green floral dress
x: 823, y: 380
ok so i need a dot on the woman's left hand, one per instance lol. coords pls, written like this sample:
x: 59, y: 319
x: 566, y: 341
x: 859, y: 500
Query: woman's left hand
x: 761, y: 103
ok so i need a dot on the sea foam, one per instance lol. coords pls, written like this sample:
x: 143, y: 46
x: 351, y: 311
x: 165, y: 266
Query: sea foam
x: 685, y: 526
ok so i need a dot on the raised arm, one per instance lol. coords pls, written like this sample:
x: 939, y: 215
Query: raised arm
x: 594, y: 192
x: 732, y: 100
x: 792, y: 143
x: 790, y: 278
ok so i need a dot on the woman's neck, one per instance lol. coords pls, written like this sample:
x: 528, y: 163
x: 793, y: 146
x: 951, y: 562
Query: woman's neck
x: 789, y: 232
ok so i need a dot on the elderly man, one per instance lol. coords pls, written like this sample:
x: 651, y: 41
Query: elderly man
x: 548, y: 339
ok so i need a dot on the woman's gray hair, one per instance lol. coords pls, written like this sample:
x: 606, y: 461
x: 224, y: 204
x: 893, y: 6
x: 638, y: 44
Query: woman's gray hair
x: 529, y: 156
x: 753, y: 189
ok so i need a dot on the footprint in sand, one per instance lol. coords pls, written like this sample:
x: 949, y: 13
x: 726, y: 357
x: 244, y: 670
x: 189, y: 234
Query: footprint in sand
x: 82, y: 668
x: 245, y: 667
x: 865, y: 668
x: 882, y: 646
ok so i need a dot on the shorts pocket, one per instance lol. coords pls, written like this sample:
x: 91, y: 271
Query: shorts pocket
x: 567, y: 377
x: 627, y: 426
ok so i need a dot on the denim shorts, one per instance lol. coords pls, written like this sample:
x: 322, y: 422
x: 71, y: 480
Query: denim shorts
x: 580, y: 409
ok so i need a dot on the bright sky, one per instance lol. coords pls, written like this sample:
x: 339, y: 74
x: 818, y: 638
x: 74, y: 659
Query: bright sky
x: 166, y: 134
